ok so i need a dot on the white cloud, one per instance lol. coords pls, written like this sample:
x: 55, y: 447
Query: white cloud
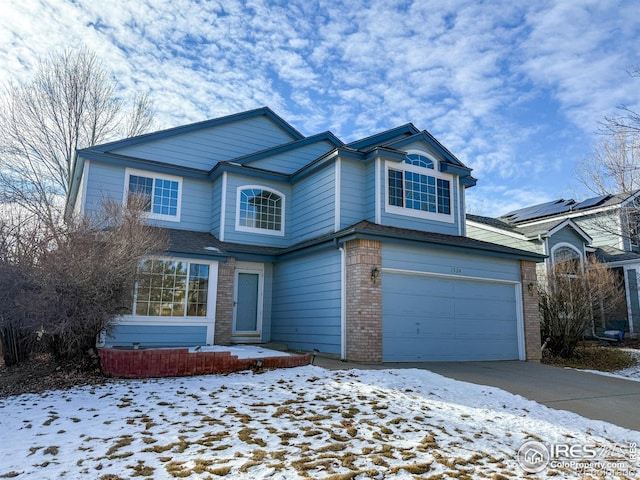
x: 485, y: 78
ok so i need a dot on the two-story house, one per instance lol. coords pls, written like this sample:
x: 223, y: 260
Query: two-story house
x: 603, y: 226
x: 358, y: 249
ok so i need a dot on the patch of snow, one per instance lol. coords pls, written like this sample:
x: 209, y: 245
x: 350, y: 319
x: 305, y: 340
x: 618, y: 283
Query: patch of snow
x: 241, y: 351
x: 289, y: 423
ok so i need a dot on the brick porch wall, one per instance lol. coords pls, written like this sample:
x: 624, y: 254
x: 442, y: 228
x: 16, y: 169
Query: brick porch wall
x: 224, y: 302
x: 364, y: 301
x: 531, y: 312
x: 179, y: 362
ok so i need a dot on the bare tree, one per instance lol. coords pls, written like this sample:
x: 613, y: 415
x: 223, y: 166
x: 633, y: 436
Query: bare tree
x: 614, y: 166
x: 628, y: 122
x: 71, y: 103
x: 574, y: 300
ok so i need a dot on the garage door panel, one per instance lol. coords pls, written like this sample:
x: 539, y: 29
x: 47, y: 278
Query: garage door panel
x: 431, y: 319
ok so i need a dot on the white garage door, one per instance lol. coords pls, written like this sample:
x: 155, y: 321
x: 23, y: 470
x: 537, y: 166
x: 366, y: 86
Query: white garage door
x: 441, y: 319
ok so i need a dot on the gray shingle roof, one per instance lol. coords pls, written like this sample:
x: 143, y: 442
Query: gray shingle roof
x: 203, y: 244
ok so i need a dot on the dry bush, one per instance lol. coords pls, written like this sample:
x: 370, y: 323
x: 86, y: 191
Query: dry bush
x: 80, y: 280
x: 572, y: 299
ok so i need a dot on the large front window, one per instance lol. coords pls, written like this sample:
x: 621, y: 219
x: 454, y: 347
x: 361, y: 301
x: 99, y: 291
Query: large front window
x: 171, y: 288
x: 260, y: 210
x: 159, y: 195
x: 412, y: 186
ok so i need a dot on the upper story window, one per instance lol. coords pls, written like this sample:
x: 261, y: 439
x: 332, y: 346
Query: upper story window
x: 160, y: 194
x: 416, y: 187
x: 260, y: 210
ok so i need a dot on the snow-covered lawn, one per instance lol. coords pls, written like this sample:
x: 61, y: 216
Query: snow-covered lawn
x: 295, y: 423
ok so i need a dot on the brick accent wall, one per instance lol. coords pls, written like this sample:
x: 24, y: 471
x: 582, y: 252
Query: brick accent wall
x: 364, y: 301
x: 531, y: 312
x: 178, y: 362
x: 224, y: 302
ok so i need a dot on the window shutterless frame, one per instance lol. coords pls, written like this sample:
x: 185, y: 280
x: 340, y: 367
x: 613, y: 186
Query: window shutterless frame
x: 161, y: 194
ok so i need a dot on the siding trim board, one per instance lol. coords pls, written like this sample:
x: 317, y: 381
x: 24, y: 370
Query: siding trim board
x: 448, y: 276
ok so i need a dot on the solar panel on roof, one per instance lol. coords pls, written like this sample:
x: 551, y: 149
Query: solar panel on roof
x: 591, y: 202
x: 541, y: 210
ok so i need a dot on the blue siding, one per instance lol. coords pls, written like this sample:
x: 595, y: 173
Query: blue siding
x: 216, y: 206
x: 353, y: 192
x: 104, y: 181
x: 196, y: 206
x: 449, y: 263
x: 231, y: 235
x: 267, y: 304
x: 202, y: 149
x: 371, y: 200
x: 157, y: 336
x: 306, y: 302
x: 313, y: 205
x: 293, y: 160
x: 567, y: 235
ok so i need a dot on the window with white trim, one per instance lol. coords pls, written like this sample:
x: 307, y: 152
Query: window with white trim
x: 568, y: 255
x: 260, y: 210
x: 416, y: 186
x: 171, y: 288
x: 159, y: 194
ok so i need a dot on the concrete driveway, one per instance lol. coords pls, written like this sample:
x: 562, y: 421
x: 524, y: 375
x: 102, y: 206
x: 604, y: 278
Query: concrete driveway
x: 593, y: 396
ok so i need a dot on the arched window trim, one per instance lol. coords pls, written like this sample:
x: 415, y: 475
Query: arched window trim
x: 569, y: 246
x: 442, y: 181
x: 263, y: 231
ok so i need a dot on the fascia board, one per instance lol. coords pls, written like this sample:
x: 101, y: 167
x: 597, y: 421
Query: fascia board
x: 326, y: 136
x: 442, y: 245
x: 490, y: 228
x: 572, y: 224
x: 229, y: 167
x: 571, y: 215
x: 142, y: 164
x: 380, y: 138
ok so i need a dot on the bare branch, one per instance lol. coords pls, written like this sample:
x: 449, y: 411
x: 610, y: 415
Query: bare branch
x: 70, y: 103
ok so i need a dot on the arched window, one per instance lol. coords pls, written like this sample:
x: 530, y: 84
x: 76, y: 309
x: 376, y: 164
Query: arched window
x: 259, y: 208
x: 419, y: 160
x: 570, y: 256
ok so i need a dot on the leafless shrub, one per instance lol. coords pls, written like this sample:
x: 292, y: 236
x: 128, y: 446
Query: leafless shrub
x: 82, y: 278
x: 573, y: 300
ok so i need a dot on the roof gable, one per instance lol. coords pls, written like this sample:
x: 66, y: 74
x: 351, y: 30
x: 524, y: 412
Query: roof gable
x: 206, y: 124
x: 383, y: 138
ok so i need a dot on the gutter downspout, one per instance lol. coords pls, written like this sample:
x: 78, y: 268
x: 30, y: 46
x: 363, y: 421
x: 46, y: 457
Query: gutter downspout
x: 343, y: 300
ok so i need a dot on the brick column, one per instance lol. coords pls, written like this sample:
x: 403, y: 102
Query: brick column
x: 224, y: 302
x: 530, y: 310
x: 364, y: 301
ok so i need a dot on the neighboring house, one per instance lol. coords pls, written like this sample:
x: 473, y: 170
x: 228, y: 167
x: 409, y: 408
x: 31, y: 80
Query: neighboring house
x: 566, y: 229
x: 358, y: 249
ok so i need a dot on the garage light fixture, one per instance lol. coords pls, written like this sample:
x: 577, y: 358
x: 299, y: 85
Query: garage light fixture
x: 375, y: 273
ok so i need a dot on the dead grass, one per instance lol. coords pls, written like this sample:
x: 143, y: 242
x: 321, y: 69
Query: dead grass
x: 593, y: 357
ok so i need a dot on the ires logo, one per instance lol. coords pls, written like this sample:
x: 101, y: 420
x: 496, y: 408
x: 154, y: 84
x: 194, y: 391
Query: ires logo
x: 533, y: 457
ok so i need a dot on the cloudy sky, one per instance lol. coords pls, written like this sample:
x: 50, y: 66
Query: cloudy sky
x: 516, y: 90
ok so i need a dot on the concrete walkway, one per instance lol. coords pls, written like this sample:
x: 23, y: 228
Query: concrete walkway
x: 593, y: 396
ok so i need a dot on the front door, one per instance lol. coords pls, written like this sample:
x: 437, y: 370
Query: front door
x: 247, y: 311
